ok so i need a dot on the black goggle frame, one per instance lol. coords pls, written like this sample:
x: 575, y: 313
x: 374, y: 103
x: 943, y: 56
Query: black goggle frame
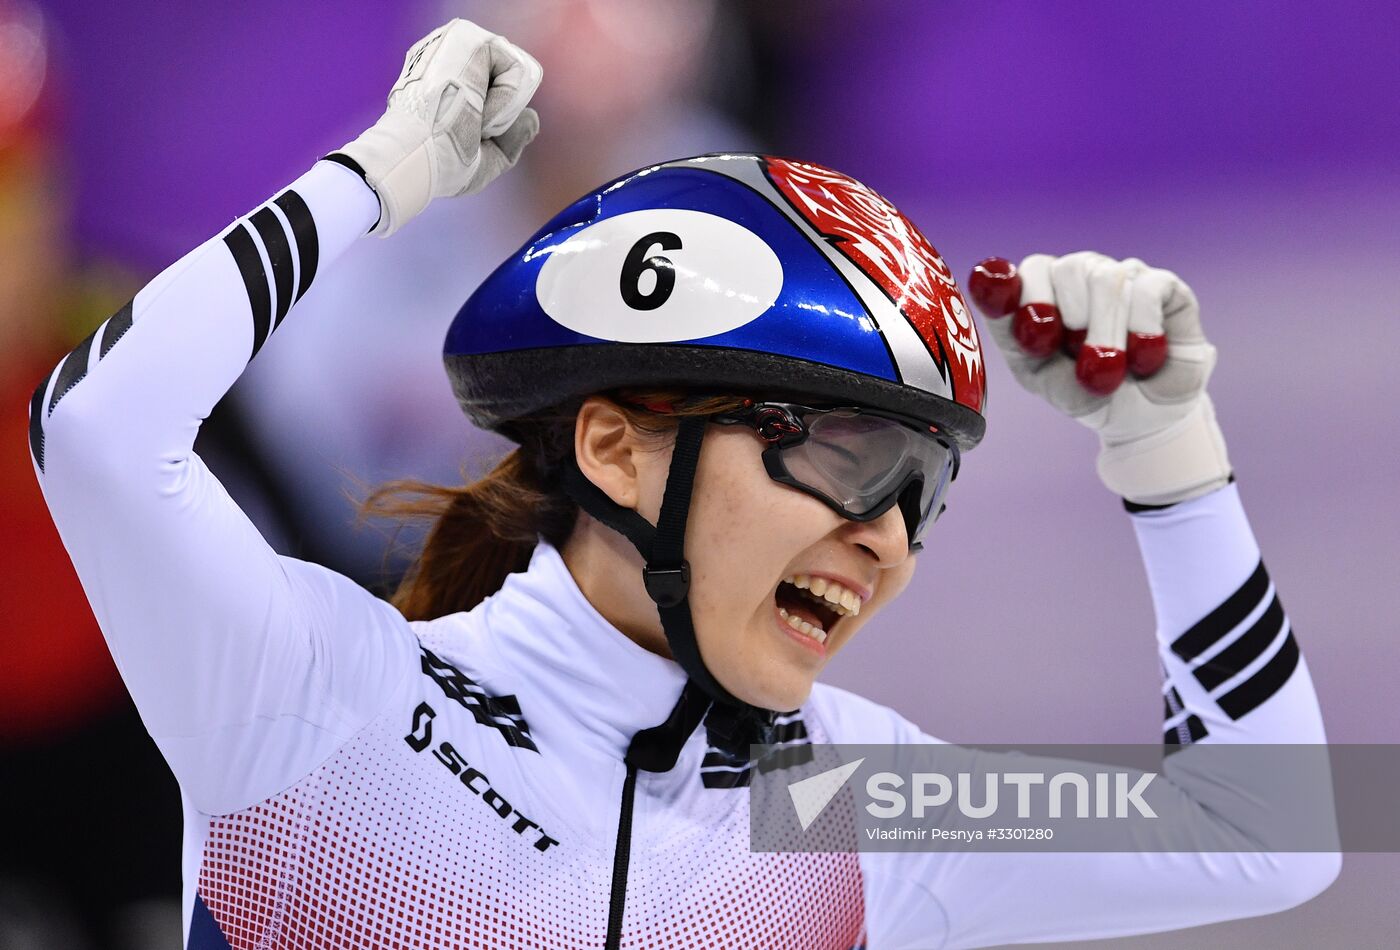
x: 783, y: 425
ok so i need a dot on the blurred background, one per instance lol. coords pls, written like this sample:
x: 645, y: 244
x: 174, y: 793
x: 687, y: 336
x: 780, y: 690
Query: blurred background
x: 1249, y: 147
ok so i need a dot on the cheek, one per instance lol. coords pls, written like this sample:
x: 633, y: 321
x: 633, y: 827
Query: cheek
x: 897, y: 578
x: 744, y: 528
x: 755, y: 524
x: 893, y: 582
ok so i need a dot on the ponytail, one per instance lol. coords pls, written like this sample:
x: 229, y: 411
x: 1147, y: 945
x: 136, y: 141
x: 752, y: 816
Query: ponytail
x: 486, y: 530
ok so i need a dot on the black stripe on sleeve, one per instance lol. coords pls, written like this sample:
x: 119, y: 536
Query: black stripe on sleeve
x: 304, y: 231
x: 1245, y: 650
x: 279, y: 255
x: 75, y: 367
x: 1224, y: 618
x: 72, y: 372
x: 245, y: 255
x: 36, y: 421
x: 116, y: 328
x: 1264, y: 683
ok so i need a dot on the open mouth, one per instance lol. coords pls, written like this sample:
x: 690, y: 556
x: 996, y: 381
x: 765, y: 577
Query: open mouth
x: 812, y: 606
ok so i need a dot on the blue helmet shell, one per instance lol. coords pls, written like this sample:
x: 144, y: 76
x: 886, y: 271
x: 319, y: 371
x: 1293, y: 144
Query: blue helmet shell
x: 732, y: 273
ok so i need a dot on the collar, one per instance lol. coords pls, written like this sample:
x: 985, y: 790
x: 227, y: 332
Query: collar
x: 570, y: 656
x: 594, y: 684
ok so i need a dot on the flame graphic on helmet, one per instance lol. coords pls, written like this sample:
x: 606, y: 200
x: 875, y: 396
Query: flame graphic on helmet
x: 875, y: 236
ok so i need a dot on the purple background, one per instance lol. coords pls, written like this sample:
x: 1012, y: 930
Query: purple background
x: 1249, y: 147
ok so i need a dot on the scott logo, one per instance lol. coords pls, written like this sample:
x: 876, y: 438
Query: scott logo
x: 420, y: 737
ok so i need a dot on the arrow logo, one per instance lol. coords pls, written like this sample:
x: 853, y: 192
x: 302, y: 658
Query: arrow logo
x: 811, y: 795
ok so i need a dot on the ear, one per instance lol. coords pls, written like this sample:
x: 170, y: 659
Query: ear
x: 608, y: 450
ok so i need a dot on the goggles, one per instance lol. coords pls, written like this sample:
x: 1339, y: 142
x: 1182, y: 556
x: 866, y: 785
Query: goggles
x: 860, y: 462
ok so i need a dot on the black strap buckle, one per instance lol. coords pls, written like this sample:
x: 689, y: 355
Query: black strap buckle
x: 667, y: 586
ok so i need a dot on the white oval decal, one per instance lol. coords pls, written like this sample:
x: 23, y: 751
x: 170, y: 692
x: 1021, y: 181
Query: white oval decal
x: 659, y: 275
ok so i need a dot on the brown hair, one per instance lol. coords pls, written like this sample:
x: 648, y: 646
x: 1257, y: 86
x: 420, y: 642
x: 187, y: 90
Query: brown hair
x: 483, y: 531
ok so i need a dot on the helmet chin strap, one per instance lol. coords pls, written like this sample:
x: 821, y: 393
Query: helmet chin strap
x: 667, y: 573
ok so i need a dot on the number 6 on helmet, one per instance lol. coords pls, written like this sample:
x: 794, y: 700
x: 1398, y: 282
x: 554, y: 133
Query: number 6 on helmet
x: 640, y: 263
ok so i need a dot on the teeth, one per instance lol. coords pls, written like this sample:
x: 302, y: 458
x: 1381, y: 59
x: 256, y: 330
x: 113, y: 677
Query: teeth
x: 802, y: 626
x: 839, y: 598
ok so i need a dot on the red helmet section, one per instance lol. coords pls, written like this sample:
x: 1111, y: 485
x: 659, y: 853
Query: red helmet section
x: 890, y: 250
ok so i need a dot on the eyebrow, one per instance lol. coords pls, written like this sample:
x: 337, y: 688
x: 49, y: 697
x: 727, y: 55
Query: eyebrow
x: 838, y: 450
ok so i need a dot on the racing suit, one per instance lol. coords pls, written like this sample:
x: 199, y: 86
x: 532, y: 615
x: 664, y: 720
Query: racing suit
x: 351, y: 778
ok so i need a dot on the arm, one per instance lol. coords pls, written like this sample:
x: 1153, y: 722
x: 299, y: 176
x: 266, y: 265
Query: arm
x: 1233, y: 670
x: 1204, y: 569
x: 248, y: 668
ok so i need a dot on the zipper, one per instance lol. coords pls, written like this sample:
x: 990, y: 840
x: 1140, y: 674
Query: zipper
x: 651, y: 750
x: 622, y: 857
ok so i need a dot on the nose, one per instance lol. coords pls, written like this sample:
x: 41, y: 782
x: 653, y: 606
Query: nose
x: 885, y: 537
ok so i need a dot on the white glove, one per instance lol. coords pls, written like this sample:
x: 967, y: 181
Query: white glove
x: 1159, y: 442
x: 457, y: 118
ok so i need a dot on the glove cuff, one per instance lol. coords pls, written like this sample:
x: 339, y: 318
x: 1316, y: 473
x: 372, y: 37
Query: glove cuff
x: 403, y: 180
x: 1183, y: 461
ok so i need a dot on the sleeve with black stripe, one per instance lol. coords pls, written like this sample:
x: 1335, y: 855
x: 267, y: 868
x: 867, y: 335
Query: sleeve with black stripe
x: 1234, y: 677
x: 247, y: 667
x: 1233, y: 668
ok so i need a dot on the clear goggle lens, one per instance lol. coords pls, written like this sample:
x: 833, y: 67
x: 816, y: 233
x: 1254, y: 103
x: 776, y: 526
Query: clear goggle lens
x: 858, y: 462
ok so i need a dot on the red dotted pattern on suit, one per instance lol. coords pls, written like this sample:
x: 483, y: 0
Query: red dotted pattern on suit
x: 783, y: 900
x: 383, y: 847
x: 739, y: 898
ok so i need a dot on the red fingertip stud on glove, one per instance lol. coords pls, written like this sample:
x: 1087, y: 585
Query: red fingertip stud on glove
x: 1038, y: 328
x: 1147, y: 353
x: 995, y: 287
x: 1100, y: 369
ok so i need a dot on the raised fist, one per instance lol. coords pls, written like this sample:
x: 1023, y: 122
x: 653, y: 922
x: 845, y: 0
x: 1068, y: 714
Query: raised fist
x: 1118, y: 346
x: 457, y: 118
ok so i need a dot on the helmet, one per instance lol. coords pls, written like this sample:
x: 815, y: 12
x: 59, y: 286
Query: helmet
x: 722, y: 271
x: 727, y: 273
